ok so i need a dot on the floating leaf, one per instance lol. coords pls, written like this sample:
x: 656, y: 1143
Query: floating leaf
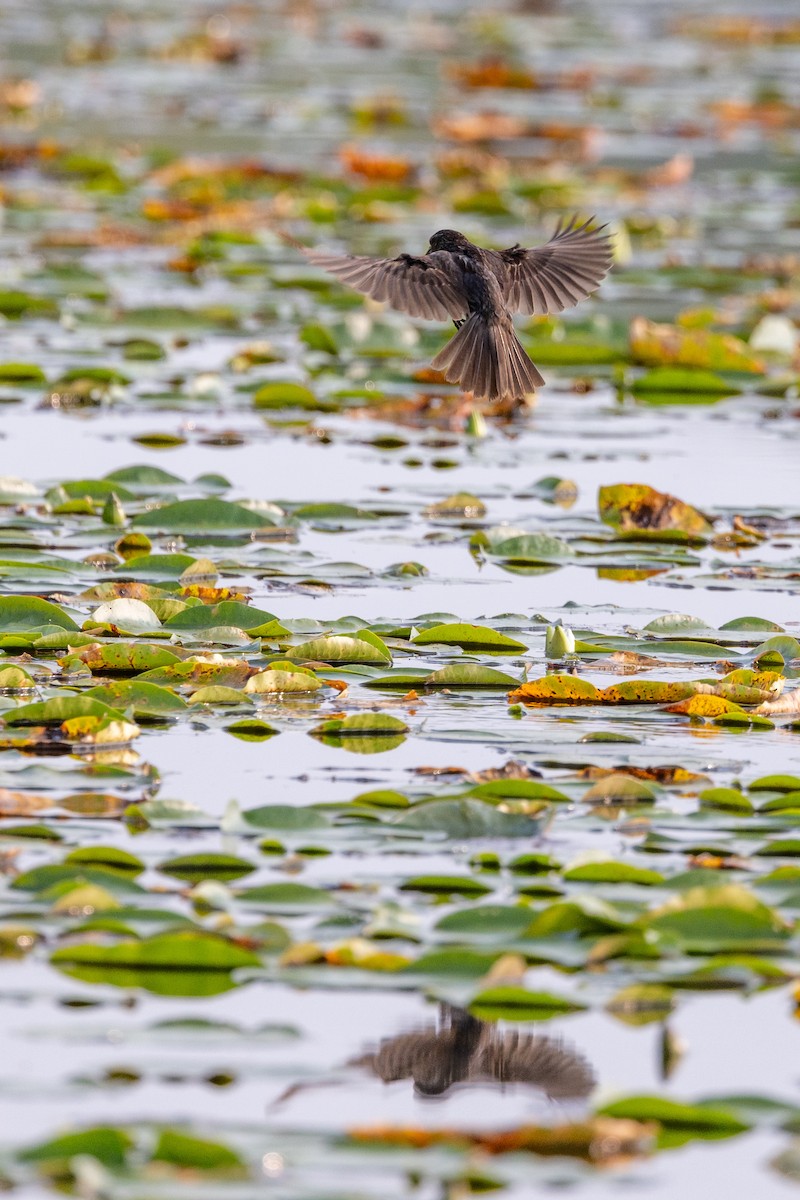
x: 469, y: 637
x: 108, y: 1145
x: 446, y: 885
x: 341, y: 649
x: 286, y: 817
x: 360, y: 725
x: 613, y: 872
x: 518, y: 1004
x: 194, y: 674
x: 286, y: 898
x: 669, y: 381
x: 198, y: 517
x: 20, y: 613
x: 693, y: 1119
x: 519, y: 548
x: 619, y: 788
x: 191, y: 1153
x: 129, y: 616
x: 146, y: 700
x: 704, y: 706
x: 727, y: 799
x: 290, y: 395
x: 194, y: 867
x: 124, y: 657
x: 281, y: 682
x: 497, y: 790
x: 556, y: 689
x: 646, y: 691
x: 467, y: 819
x: 184, y: 963
x: 775, y: 783
x: 719, y: 919
x: 661, y: 344
x: 489, y: 922
x: 640, y: 509
x: 254, y: 621
x: 469, y: 675
x: 60, y: 709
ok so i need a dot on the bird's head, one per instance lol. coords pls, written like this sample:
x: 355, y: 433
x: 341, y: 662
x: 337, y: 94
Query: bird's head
x: 451, y: 240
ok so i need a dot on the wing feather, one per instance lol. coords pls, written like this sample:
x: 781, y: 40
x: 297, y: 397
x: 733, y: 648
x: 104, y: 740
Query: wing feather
x: 550, y: 278
x: 421, y: 286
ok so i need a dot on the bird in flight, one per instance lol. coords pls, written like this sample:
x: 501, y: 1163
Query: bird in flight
x: 479, y: 290
x: 464, y: 1050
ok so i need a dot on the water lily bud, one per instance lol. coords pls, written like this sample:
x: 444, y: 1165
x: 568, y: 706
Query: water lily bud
x: 476, y: 424
x: 775, y: 334
x: 113, y: 512
x: 57, y: 496
x: 559, y: 641
x: 211, y: 894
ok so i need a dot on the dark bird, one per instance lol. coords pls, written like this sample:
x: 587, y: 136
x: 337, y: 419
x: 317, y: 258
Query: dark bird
x: 479, y: 290
x: 464, y: 1050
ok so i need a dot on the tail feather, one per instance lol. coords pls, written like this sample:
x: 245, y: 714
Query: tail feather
x: 487, y: 359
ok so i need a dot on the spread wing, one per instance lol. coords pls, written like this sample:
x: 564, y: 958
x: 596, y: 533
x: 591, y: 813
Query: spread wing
x: 421, y: 286
x: 550, y: 278
x: 542, y: 1062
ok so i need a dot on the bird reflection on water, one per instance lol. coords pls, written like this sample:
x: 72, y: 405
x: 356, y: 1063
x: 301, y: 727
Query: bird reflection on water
x: 462, y: 1050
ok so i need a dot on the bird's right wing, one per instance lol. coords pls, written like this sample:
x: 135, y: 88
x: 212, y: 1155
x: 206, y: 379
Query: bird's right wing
x: 542, y: 1062
x: 420, y: 286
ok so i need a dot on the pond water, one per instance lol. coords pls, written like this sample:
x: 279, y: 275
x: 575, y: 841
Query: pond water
x: 283, y: 909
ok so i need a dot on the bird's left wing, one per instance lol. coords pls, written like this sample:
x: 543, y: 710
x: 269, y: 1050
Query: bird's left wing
x: 550, y: 278
x: 421, y: 286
